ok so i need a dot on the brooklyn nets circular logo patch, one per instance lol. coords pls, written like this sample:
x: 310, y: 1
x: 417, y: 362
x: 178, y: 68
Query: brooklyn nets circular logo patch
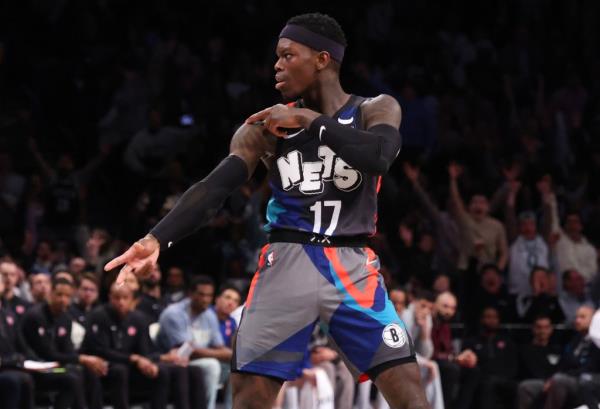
x: 393, y: 335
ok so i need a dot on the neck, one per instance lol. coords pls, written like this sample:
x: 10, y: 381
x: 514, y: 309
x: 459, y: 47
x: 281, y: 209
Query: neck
x: 9, y: 294
x: 326, y: 96
x: 221, y: 315
x: 540, y: 342
x: 196, y: 310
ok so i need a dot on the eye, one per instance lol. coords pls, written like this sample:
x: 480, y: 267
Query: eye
x: 287, y: 56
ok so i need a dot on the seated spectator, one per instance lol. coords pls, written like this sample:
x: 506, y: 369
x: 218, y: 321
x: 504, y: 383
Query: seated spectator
x: 40, y: 287
x: 459, y: 374
x: 119, y: 334
x: 497, y: 358
x: 541, y: 301
x: 441, y: 284
x: 527, y: 251
x: 175, y: 290
x: 538, y: 361
x: 86, y: 299
x: 573, y: 295
x: 398, y: 298
x: 13, y: 352
x: 77, y: 267
x: 12, y: 301
x: 193, y: 323
x: 228, y: 299
x: 581, y: 358
x: 47, y: 330
x: 492, y: 292
x: 150, y: 302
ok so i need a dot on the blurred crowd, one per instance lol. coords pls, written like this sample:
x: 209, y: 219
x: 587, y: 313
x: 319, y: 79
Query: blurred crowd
x: 489, y: 221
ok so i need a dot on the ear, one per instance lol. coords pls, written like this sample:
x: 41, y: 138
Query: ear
x: 323, y: 60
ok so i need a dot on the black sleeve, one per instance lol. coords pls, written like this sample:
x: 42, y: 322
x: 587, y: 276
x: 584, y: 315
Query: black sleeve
x: 42, y: 341
x: 372, y: 151
x: 97, y: 339
x: 201, y: 201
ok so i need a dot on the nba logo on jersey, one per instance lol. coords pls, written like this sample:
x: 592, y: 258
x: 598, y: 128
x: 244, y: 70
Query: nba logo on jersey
x: 393, y: 336
x: 310, y: 176
x: 270, y: 259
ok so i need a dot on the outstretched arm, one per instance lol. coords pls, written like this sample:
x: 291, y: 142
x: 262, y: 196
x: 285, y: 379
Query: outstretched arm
x: 200, y: 202
x: 372, y: 151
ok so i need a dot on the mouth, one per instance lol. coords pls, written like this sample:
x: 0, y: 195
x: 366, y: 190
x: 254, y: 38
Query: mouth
x: 279, y: 85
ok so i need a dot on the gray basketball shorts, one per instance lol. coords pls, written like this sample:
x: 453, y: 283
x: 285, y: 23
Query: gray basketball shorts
x: 294, y: 287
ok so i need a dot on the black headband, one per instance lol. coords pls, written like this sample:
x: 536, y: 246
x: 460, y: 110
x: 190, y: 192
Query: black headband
x: 313, y: 40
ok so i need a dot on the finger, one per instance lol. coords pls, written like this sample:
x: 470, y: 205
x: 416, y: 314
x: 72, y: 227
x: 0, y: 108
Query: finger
x: 123, y: 274
x: 259, y: 116
x: 123, y: 258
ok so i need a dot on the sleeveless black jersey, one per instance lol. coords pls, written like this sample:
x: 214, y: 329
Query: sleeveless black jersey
x: 315, y: 190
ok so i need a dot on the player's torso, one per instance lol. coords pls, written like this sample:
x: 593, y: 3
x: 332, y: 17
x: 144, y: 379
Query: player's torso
x: 315, y: 190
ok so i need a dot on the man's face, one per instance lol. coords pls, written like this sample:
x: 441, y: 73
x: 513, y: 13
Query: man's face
x: 10, y: 275
x: 175, y: 278
x: 445, y: 306
x: 398, y: 298
x: 202, y: 297
x: 228, y: 301
x: 295, y: 69
x: 76, y: 266
x: 121, y: 299
x: 40, y: 287
x: 573, y: 225
x: 528, y: 229
x: 490, y: 319
x: 60, y: 298
x: 583, y: 319
x: 87, y: 292
x: 426, y: 243
x: 479, y: 206
x: 575, y: 284
x: 542, y: 329
x: 540, y: 284
x: 491, y: 281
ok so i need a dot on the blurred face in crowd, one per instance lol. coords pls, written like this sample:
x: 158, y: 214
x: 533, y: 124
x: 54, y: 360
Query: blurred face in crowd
x: 44, y: 251
x: 491, y: 281
x: 426, y: 243
x: 87, y: 293
x: 573, y: 226
x: 528, y: 228
x: 10, y: 275
x: 175, y: 278
x: 131, y: 282
x: 77, y: 266
x: 202, y: 297
x: 65, y: 163
x: 423, y: 307
x: 154, y: 276
x: 60, y: 298
x: 40, y: 287
x: 574, y: 284
x: 1, y: 288
x: 227, y: 302
x: 542, y: 331
x: 445, y: 306
x: 65, y: 276
x: 479, y: 207
x: 121, y: 299
x: 540, y: 283
x: 398, y: 298
x: 441, y: 284
x: 583, y: 319
x: 490, y: 319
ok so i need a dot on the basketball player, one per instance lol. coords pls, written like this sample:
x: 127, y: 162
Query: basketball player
x: 326, y: 153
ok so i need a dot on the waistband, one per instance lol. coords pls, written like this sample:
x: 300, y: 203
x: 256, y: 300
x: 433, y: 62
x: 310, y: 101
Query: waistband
x: 292, y: 236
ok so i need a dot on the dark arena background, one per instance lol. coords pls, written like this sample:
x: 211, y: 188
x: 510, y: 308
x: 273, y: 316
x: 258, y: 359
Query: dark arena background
x: 488, y: 223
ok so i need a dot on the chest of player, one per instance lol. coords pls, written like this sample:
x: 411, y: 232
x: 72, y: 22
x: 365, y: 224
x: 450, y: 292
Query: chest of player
x: 306, y: 166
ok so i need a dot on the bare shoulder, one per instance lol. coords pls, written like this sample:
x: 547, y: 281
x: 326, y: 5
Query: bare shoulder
x: 252, y: 143
x: 383, y: 109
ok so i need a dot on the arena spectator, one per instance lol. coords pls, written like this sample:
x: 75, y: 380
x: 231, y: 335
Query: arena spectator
x: 541, y: 301
x: 483, y: 237
x: 193, y: 323
x: 150, y: 301
x: 491, y: 292
x: 40, y: 287
x: 47, y: 330
x: 574, y: 295
x: 580, y: 359
x: 527, y: 251
x: 175, y: 285
x: 10, y: 276
x: 86, y: 298
x: 538, y: 361
x: 497, y: 359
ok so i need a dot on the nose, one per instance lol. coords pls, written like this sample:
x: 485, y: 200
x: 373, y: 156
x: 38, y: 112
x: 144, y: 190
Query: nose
x: 278, y: 66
